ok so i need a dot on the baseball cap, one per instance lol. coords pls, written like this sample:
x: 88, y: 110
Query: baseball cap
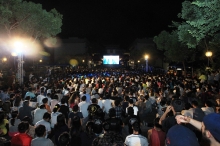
x: 212, y: 123
x: 179, y: 135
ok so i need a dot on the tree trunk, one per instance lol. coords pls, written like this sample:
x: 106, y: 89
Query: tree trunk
x: 184, y: 67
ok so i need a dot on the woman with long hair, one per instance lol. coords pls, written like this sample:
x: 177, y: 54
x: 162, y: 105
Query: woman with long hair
x: 17, y: 103
x: 88, y: 135
x: 54, y: 115
x: 73, y: 100
x: 60, y: 127
x: 13, y: 124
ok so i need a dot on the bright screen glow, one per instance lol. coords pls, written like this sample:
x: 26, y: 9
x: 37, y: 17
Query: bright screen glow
x: 110, y: 59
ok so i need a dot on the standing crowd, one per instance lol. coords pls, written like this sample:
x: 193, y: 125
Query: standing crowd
x: 113, y: 109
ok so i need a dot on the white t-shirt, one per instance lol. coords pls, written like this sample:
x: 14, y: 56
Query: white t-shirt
x: 135, y: 110
x: 54, y: 118
x: 136, y: 140
x: 100, y: 103
x: 46, y: 124
x: 83, y: 106
x: 38, y: 115
x: 39, y: 99
x: 107, y: 105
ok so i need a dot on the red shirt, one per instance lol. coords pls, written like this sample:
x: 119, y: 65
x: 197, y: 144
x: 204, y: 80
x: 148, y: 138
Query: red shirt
x: 21, y: 139
x: 157, y: 138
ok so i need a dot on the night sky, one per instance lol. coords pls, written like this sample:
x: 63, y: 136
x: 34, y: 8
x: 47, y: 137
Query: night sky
x: 114, y: 21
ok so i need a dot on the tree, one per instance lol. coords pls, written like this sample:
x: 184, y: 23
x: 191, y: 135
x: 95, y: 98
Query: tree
x: 173, y: 49
x: 27, y: 19
x: 202, y: 20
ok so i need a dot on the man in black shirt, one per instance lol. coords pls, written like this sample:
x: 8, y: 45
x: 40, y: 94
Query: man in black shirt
x: 93, y: 109
x: 115, y: 123
x: 131, y: 119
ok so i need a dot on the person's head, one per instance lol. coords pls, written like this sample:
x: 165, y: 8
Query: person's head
x: 194, y: 103
x: 40, y: 131
x: 112, y: 112
x: 23, y: 127
x: 130, y: 111
x: 56, y: 107
x: 63, y: 101
x: 55, y: 97
x: 127, y: 98
x: 117, y: 102
x: 2, y: 116
x: 208, y: 103
x: 89, y: 126
x: 26, y: 119
x: 75, y: 108
x: 64, y: 139
x: 28, y: 98
x: 156, y: 123
x: 14, y: 115
x: 179, y: 135
x: 211, y: 127
x: 61, y: 120
x: 45, y: 100
x: 47, y: 116
x: 136, y: 127
x: 131, y: 101
x: 42, y: 106
x: 106, y: 126
x: 178, y: 105
x: 83, y: 98
x: 94, y: 100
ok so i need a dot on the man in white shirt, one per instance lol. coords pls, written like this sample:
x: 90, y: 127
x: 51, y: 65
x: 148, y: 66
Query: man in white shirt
x: 38, y: 113
x: 41, y: 96
x: 83, y: 106
x: 136, y: 139
x: 45, y: 122
x: 107, y: 104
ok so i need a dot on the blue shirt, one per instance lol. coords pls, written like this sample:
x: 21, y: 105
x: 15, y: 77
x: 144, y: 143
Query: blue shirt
x: 31, y: 94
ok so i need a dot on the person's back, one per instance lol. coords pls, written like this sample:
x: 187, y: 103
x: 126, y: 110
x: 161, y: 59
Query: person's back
x: 40, y: 139
x: 21, y: 139
x: 136, y: 139
x: 25, y: 110
x: 156, y: 136
x: 38, y: 113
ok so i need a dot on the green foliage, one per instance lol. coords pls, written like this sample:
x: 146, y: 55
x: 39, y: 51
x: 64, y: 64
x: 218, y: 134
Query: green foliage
x: 173, y: 49
x: 202, y: 19
x: 18, y: 17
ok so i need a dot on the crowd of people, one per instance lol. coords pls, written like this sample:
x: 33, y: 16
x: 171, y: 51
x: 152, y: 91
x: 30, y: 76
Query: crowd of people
x: 110, y: 107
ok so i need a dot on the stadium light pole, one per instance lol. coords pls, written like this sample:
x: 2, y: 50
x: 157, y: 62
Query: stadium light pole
x: 19, y: 45
x: 146, y: 57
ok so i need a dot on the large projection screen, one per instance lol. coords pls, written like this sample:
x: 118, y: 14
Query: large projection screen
x: 110, y: 59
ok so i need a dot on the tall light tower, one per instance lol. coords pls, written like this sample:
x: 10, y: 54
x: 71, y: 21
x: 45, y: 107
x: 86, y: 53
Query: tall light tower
x: 20, y: 74
x: 146, y: 57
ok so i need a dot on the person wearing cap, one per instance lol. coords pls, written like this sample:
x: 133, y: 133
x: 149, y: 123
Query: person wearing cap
x: 168, y: 120
x: 210, y: 126
x: 180, y: 135
x: 136, y: 139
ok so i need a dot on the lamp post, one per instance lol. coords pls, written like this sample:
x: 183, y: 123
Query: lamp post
x: 146, y: 57
x: 208, y: 54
